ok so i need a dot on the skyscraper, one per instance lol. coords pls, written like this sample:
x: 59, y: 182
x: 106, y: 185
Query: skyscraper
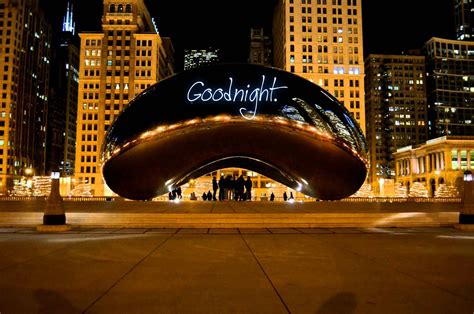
x: 116, y: 64
x: 195, y: 58
x: 396, y: 109
x: 450, y: 86
x: 62, y: 113
x: 321, y: 40
x: 464, y: 19
x: 25, y: 43
x: 260, y: 47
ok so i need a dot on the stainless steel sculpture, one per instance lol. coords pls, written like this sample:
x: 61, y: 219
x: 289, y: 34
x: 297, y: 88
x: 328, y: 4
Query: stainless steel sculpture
x: 235, y: 115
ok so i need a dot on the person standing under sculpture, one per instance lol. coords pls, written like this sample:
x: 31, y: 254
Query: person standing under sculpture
x: 221, y: 187
x: 248, y: 188
x: 239, y: 188
x: 285, y: 197
x: 215, y: 186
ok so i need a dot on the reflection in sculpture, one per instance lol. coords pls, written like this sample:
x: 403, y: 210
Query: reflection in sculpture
x: 235, y: 115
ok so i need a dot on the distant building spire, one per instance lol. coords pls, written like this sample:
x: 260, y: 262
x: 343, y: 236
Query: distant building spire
x: 68, y: 22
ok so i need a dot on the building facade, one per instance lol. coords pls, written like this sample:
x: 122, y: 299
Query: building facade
x: 321, y: 40
x: 197, y: 58
x: 260, y: 48
x: 62, y: 113
x: 115, y: 65
x: 438, y: 161
x: 450, y: 87
x: 167, y: 57
x: 25, y: 45
x: 464, y: 19
x: 396, y: 109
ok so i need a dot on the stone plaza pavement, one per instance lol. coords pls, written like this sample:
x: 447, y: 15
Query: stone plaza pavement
x: 230, y: 214
x: 375, y: 270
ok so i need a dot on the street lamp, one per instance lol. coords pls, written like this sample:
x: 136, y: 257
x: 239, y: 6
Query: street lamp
x: 28, y: 171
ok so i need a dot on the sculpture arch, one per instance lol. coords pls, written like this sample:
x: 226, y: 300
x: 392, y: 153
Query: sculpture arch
x: 235, y: 115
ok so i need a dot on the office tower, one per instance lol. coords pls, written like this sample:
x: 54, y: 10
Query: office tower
x: 450, y: 86
x: 25, y: 45
x: 396, y: 109
x: 167, y: 61
x: 197, y: 58
x: 464, y: 19
x: 115, y: 65
x: 260, y: 47
x: 62, y: 113
x: 321, y: 40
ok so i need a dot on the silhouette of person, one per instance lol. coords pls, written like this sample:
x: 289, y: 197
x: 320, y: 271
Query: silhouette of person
x: 204, y: 196
x: 215, y: 186
x: 272, y: 197
x: 285, y: 197
x: 248, y: 188
x: 209, y: 195
x: 178, y: 191
x: 291, y: 196
x: 239, y: 188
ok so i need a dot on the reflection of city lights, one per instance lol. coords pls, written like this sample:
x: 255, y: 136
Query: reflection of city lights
x: 28, y: 171
x: 291, y: 200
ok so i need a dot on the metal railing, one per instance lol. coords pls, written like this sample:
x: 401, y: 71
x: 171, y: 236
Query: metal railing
x: 258, y: 199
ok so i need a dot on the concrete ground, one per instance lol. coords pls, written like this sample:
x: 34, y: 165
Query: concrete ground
x: 237, y: 271
x: 196, y: 207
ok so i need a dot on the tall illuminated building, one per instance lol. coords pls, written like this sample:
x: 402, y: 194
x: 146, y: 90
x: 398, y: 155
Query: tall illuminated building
x: 116, y: 64
x: 260, y: 47
x: 25, y: 45
x: 396, y: 109
x: 196, y: 58
x: 62, y: 113
x: 321, y: 40
x: 450, y: 86
x: 464, y: 19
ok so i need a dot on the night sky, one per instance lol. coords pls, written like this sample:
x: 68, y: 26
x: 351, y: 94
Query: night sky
x: 389, y: 26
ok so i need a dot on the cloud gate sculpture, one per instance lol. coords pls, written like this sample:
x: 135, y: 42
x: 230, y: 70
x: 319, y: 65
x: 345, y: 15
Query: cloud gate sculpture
x: 234, y: 115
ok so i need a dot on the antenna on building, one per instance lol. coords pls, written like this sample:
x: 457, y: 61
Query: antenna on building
x: 68, y: 22
x: 154, y: 25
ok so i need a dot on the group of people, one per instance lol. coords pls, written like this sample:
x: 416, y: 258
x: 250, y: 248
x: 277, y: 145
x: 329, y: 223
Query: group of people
x: 229, y: 188
x: 175, y: 194
x: 285, y: 197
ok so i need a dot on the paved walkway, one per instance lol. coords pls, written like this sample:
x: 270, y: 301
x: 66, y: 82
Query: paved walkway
x: 237, y: 271
x: 230, y: 207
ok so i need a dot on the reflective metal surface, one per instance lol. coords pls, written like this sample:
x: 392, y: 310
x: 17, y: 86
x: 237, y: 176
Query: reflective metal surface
x: 235, y: 115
